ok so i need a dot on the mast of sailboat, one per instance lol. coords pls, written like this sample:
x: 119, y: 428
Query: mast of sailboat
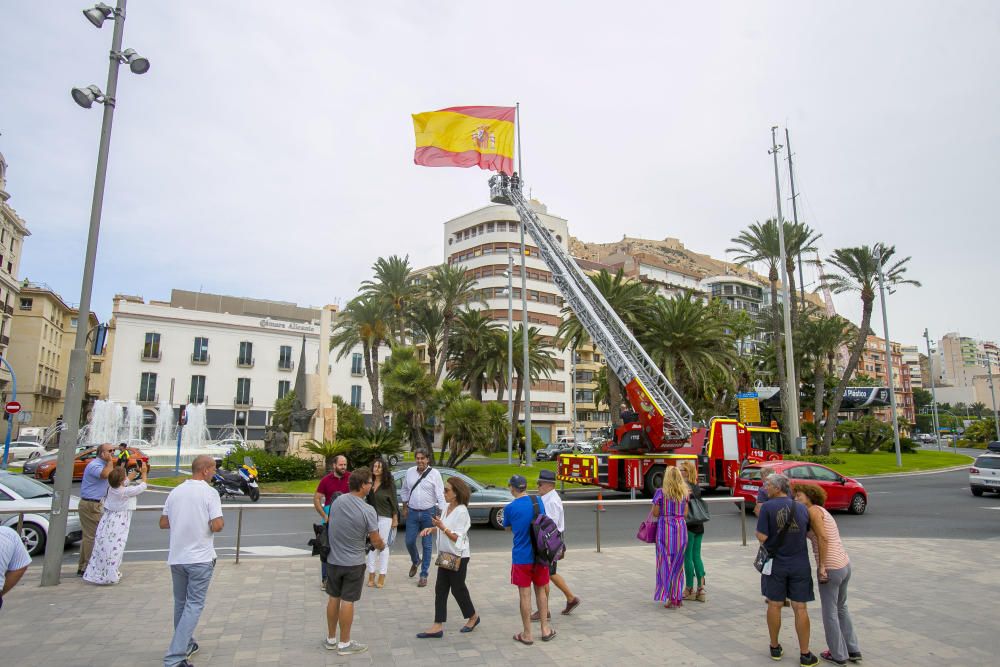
x: 795, y: 218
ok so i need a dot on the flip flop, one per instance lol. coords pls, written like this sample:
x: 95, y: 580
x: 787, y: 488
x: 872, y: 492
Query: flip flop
x: 549, y: 637
x: 519, y: 638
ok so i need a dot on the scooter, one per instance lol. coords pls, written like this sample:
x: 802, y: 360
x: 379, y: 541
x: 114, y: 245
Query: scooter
x: 243, y: 482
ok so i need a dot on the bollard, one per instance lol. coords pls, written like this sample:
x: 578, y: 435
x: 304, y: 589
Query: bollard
x: 239, y: 533
x: 743, y: 521
x: 20, y: 525
x: 597, y: 527
x: 600, y: 505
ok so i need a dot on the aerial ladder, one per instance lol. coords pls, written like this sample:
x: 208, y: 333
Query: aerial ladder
x: 663, y: 417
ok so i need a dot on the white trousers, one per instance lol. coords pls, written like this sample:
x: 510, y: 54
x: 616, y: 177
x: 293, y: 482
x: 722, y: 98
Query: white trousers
x: 381, y: 558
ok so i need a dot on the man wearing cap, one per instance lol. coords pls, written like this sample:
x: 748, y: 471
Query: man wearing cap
x: 554, y: 509
x: 524, y: 572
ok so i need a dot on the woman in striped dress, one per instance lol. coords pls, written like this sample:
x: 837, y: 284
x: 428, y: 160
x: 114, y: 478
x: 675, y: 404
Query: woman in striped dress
x: 670, y: 507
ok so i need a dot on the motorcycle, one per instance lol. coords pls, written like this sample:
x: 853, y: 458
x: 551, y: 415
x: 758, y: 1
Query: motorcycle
x: 243, y: 482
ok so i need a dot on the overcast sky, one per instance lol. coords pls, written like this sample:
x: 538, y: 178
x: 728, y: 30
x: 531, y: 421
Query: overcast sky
x: 269, y: 151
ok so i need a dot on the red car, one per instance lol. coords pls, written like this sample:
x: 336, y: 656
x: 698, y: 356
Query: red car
x: 842, y: 493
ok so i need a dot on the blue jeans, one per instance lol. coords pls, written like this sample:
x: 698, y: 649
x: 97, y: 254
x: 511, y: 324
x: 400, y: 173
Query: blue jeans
x: 190, y: 589
x: 417, y: 520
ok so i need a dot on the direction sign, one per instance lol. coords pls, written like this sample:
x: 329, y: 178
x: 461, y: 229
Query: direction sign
x: 12, y: 407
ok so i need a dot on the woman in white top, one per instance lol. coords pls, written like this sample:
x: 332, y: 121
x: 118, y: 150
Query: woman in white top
x: 112, y: 531
x: 453, y: 538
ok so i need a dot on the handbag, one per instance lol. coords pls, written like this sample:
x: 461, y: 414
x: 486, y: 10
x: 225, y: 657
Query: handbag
x: 448, y: 561
x: 698, y: 511
x: 392, y: 537
x: 764, y: 560
x: 647, y: 531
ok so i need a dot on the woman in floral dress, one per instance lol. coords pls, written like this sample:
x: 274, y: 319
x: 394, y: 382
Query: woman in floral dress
x: 670, y: 507
x: 112, y: 531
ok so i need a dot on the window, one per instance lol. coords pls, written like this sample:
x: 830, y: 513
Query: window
x: 151, y: 346
x: 284, y: 386
x: 285, y: 357
x: 823, y: 474
x: 147, y: 388
x: 197, y: 389
x: 95, y: 367
x: 200, y: 354
x: 356, y: 368
x: 585, y: 395
x: 799, y: 472
x: 246, y: 354
x: 72, y: 322
x: 356, y: 395
x: 26, y: 303
x: 243, y: 391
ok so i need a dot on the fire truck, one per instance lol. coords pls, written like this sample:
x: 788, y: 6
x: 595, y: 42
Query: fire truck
x: 658, y: 431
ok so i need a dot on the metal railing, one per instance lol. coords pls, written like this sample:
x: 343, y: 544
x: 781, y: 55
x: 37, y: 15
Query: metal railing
x: 303, y: 506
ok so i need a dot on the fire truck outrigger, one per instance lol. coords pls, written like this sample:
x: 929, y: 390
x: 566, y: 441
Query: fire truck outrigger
x: 658, y: 432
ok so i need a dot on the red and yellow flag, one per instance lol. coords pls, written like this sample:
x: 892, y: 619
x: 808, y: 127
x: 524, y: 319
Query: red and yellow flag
x: 466, y: 137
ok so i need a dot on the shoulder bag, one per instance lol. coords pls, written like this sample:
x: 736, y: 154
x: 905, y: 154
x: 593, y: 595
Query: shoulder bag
x: 764, y: 560
x: 698, y: 510
x: 647, y: 531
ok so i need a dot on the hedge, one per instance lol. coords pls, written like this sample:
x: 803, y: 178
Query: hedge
x: 270, y: 467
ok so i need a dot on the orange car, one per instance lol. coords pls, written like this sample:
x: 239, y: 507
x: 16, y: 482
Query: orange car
x: 46, y: 470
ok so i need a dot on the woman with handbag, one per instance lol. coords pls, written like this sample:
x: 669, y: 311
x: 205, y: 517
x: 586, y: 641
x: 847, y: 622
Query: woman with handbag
x: 453, y: 559
x: 670, y: 507
x: 697, y: 516
x: 383, y: 498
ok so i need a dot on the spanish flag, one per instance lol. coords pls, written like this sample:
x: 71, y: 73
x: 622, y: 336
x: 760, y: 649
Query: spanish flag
x: 466, y: 137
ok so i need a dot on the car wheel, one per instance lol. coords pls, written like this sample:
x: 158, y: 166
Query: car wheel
x: 393, y: 460
x: 33, y: 537
x: 977, y: 492
x: 858, y: 504
x: 34, y: 455
x: 496, y: 518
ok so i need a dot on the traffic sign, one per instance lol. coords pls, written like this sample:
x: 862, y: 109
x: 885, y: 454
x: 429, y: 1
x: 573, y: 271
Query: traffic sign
x: 12, y: 407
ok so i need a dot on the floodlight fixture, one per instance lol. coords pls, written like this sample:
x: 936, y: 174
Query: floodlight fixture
x: 98, y: 14
x: 138, y: 64
x: 86, y: 97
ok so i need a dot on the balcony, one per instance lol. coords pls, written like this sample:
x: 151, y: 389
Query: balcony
x: 200, y: 359
x: 147, y: 398
x: 8, y: 309
x: 243, y: 402
x: 286, y: 365
x: 245, y: 362
x: 4, y: 340
x: 150, y: 355
x: 49, y: 392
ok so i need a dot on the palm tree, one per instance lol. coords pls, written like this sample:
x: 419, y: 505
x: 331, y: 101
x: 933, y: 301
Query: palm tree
x: 427, y: 326
x: 799, y: 238
x: 394, y: 288
x: 371, y: 444
x: 449, y: 288
x: 978, y: 408
x: 857, y: 271
x: 497, y: 426
x: 474, y: 340
x: 465, y: 429
x: 629, y: 299
x: 363, y: 322
x: 541, y: 362
x: 822, y: 338
x: 328, y: 449
x: 408, y: 391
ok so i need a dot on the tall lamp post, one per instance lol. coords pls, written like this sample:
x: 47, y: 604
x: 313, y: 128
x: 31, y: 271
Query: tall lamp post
x: 510, y: 357
x: 930, y: 372
x: 86, y: 97
x: 888, y: 357
x: 993, y: 396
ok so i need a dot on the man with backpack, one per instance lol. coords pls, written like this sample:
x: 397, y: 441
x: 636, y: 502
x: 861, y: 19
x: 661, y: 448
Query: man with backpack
x: 536, y: 545
x: 554, y: 510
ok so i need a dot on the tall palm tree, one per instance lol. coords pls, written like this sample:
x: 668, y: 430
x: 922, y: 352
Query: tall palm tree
x: 497, y: 425
x: 408, y: 390
x: 394, y: 288
x: 426, y: 324
x: 857, y: 271
x: 474, y: 340
x: 822, y: 338
x: 363, y: 321
x: 799, y: 238
x: 465, y: 429
x: 449, y: 288
x: 629, y: 299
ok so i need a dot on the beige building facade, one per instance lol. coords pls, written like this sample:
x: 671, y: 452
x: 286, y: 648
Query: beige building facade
x: 13, y: 230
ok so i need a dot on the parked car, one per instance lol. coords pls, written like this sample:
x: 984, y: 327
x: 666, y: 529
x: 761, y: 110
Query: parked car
x: 30, y: 467
x: 984, y: 475
x: 994, y: 446
x: 25, y: 493
x: 21, y: 450
x: 480, y: 494
x: 552, y: 452
x: 584, y: 448
x: 46, y: 471
x: 842, y: 493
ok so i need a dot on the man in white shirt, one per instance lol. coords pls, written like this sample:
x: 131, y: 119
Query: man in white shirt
x: 193, y: 514
x: 14, y: 560
x: 423, y: 499
x: 554, y: 510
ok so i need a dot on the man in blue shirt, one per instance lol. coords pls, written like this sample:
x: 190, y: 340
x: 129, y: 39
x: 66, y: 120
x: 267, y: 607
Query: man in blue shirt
x: 93, y: 488
x: 781, y: 528
x: 524, y: 571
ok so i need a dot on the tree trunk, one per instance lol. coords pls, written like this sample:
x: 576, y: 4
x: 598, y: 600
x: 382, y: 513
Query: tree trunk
x: 445, y: 339
x: 793, y: 302
x: 371, y: 369
x: 614, y: 400
x: 819, y: 385
x: 432, y: 356
x: 476, y: 389
x: 517, y: 399
x: 838, y: 395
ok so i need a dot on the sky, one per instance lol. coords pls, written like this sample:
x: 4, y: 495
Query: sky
x: 268, y: 152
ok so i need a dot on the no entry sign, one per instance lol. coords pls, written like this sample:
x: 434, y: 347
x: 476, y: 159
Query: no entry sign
x: 12, y: 407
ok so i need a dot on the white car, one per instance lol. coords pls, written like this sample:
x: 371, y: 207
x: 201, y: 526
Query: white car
x: 984, y: 475
x: 21, y: 450
x: 18, y: 492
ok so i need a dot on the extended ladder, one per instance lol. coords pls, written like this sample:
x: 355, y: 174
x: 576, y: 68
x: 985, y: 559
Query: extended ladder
x: 622, y: 351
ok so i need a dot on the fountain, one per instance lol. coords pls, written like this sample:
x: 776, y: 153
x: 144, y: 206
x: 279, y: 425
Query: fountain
x: 195, y: 434
x: 163, y: 435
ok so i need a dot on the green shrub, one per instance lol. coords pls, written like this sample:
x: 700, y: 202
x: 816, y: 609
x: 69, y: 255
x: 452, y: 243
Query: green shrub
x: 906, y: 446
x: 823, y: 460
x: 270, y: 467
x: 864, y: 435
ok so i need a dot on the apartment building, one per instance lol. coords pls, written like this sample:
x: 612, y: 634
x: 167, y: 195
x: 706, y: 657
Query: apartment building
x: 873, y: 363
x: 13, y: 231
x: 962, y: 367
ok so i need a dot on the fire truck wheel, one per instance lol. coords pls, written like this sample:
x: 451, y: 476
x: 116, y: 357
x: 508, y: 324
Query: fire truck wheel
x: 654, y: 480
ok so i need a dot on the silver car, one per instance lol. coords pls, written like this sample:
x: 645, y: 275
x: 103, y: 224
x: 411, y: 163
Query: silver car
x: 18, y: 492
x: 480, y: 494
x: 984, y: 474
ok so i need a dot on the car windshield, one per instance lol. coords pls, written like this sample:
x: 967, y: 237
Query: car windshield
x: 992, y: 462
x: 750, y: 473
x: 25, y: 487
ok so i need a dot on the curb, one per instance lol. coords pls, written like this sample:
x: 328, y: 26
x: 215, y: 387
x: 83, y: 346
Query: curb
x: 916, y: 473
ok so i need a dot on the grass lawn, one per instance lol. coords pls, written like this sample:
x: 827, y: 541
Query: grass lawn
x: 876, y: 463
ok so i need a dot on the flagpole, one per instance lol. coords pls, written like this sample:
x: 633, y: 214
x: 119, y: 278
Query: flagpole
x: 517, y: 126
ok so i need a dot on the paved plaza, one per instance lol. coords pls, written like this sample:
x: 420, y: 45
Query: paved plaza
x: 915, y: 602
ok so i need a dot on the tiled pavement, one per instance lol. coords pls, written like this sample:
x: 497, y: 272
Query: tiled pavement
x: 913, y: 602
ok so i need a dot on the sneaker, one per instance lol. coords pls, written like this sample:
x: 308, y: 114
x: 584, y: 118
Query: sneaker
x: 828, y: 657
x: 329, y: 646
x: 854, y: 657
x: 777, y: 652
x: 352, y: 648
x: 808, y: 660
x: 422, y: 582
x: 192, y: 649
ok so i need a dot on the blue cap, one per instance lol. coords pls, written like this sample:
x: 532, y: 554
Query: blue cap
x: 517, y: 482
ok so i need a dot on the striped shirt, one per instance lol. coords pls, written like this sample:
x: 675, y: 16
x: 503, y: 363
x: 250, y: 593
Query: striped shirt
x: 836, y: 555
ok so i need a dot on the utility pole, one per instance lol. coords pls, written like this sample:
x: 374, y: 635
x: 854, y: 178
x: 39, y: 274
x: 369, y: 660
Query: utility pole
x: 993, y: 396
x: 791, y: 391
x: 510, y: 357
x: 934, y: 414
x: 795, y: 219
x: 888, y: 357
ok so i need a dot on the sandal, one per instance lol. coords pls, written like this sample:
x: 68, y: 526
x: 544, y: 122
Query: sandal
x: 519, y: 638
x: 549, y: 637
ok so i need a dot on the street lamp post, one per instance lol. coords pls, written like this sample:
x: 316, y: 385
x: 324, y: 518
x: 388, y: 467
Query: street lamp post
x: 510, y: 357
x: 85, y: 97
x: 888, y: 357
x: 993, y: 396
x: 930, y: 369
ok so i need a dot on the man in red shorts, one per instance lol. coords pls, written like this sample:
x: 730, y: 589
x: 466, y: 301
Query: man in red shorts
x: 524, y: 572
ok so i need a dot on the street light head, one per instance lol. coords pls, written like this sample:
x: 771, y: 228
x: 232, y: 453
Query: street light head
x: 98, y: 14
x: 138, y: 64
x: 86, y: 97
